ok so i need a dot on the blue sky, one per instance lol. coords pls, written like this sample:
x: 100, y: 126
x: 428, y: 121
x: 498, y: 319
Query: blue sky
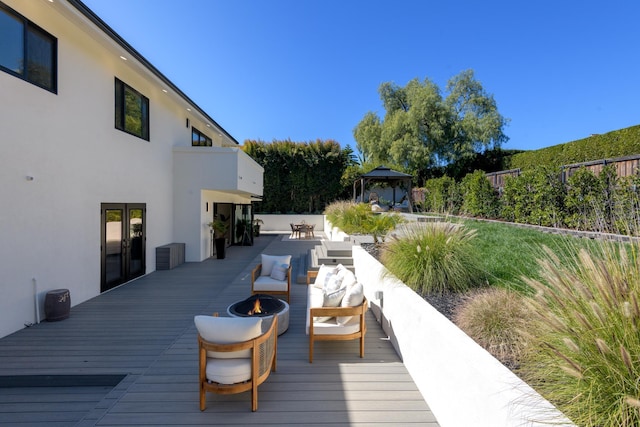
x: 309, y: 69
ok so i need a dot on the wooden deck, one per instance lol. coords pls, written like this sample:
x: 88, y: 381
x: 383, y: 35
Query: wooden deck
x: 144, y: 332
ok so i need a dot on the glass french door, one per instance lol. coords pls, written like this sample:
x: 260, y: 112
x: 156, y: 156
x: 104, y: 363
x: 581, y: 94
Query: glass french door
x: 122, y: 243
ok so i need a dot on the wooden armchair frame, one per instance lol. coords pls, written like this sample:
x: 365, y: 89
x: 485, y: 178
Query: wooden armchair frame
x: 255, y: 274
x: 359, y: 310
x: 264, y: 353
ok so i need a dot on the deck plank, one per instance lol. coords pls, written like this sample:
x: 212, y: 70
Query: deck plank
x: 145, y: 330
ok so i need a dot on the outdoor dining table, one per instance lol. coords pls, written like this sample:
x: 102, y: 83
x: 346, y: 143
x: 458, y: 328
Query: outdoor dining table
x: 303, y: 228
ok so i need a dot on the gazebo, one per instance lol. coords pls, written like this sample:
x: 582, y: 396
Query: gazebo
x: 385, y: 175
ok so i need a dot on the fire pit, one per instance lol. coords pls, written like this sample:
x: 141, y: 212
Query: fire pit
x: 263, y: 306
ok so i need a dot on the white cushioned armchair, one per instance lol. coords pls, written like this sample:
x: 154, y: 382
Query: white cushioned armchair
x: 235, y: 355
x: 272, y: 276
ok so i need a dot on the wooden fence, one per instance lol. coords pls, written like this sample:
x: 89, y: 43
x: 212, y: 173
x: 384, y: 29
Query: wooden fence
x: 625, y: 166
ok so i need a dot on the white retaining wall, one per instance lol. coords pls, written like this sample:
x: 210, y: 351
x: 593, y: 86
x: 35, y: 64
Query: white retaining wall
x: 282, y: 222
x: 462, y: 383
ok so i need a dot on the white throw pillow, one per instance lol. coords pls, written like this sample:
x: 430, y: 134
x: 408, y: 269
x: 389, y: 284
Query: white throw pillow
x: 334, y: 298
x: 352, y: 298
x: 332, y: 283
x: 268, y: 261
x: 226, y: 330
x: 322, y: 275
x: 279, y: 272
x: 348, y: 278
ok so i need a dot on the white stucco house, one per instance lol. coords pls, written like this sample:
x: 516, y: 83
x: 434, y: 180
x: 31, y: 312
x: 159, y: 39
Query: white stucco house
x: 103, y: 160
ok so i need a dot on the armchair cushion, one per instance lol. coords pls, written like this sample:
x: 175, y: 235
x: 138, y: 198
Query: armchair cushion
x: 267, y: 283
x: 227, y: 330
x: 279, y: 272
x: 268, y: 261
x: 228, y: 371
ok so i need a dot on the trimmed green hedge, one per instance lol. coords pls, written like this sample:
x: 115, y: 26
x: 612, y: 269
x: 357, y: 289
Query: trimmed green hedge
x: 619, y: 143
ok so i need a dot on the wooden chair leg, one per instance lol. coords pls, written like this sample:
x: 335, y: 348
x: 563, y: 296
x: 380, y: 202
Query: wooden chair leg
x: 254, y: 397
x: 310, y: 348
x: 203, y: 398
x: 362, y: 347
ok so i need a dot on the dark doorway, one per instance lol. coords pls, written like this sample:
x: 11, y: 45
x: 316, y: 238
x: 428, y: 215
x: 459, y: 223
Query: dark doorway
x: 122, y: 248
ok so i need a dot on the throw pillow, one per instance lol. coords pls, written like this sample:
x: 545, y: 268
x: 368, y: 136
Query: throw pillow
x: 348, y: 278
x: 352, y: 298
x: 334, y: 298
x: 268, y: 261
x: 322, y: 275
x: 279, y: 272
x: 332, y: 283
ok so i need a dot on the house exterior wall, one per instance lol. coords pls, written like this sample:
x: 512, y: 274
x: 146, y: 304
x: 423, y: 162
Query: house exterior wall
x: 62, y: 157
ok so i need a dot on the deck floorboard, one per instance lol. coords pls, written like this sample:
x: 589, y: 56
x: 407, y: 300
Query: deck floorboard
x: 145, y: 331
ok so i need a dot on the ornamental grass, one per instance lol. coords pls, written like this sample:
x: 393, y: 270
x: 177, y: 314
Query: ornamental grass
x: 433, y: 257
x: 495, y: 319
x: 584, y: 354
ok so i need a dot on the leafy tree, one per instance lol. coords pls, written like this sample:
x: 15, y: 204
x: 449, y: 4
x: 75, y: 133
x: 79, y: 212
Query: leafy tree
x: 422, y: 129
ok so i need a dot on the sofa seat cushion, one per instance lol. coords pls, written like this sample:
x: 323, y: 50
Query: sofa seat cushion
x: 267, y: 283
x: 227, y: 330
x: 331, y: 327
x: 268, y: 261
x: 228, y: 371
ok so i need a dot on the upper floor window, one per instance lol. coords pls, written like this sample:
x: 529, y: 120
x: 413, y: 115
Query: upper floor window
x: 132, y: 110
x: 27, y: 51
x: 198, y: 139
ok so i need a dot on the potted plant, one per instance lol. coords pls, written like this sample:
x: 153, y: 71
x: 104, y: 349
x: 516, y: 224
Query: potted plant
x: 256, y: 226
x: 219, y: 228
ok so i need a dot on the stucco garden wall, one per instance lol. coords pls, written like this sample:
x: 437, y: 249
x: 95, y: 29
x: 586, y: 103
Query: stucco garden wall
x: 462, y: 383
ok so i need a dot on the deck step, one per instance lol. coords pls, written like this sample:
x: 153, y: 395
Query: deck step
x: 330, y: 253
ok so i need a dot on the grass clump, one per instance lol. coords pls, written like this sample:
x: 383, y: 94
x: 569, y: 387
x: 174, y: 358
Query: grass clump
x: 495, y: 319
x: 585, y: 346
x: 433, y: 257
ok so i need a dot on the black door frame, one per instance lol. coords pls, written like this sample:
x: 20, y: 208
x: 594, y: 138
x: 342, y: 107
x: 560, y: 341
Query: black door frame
x: 130, y: 242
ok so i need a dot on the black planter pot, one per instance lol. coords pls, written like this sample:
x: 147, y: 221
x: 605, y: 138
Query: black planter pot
x: 220, y: 247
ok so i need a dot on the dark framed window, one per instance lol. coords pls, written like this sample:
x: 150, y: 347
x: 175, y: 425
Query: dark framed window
x: 132, y: 111
x: 199, y: 139
x: 27, y: 51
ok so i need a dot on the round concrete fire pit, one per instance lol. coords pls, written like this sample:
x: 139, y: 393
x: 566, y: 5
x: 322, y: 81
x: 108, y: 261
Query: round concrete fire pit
x: 269, y: 306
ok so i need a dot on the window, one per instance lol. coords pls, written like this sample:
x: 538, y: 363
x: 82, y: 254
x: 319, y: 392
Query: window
x: 27, y: 51
x: 198, y: 139
x: 132, y: 111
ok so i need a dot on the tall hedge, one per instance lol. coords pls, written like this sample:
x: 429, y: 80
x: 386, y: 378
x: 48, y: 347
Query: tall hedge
x: 299, y: 177
x: 619, y: 143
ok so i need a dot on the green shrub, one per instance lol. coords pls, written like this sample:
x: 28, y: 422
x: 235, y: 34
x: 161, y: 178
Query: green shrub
x: 534, y: 197
x: 627, y: 206
x: 585, y: 345
x: 584, y: 200
x: 495, y: 319
x: 480, y: 199
x: 433, y: 257
x: 357, y: 218
x: 442, y: 195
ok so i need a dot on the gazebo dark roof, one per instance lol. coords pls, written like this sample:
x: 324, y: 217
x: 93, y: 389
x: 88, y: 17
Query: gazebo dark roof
x: 383, y: 173
x: 386, y: 175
